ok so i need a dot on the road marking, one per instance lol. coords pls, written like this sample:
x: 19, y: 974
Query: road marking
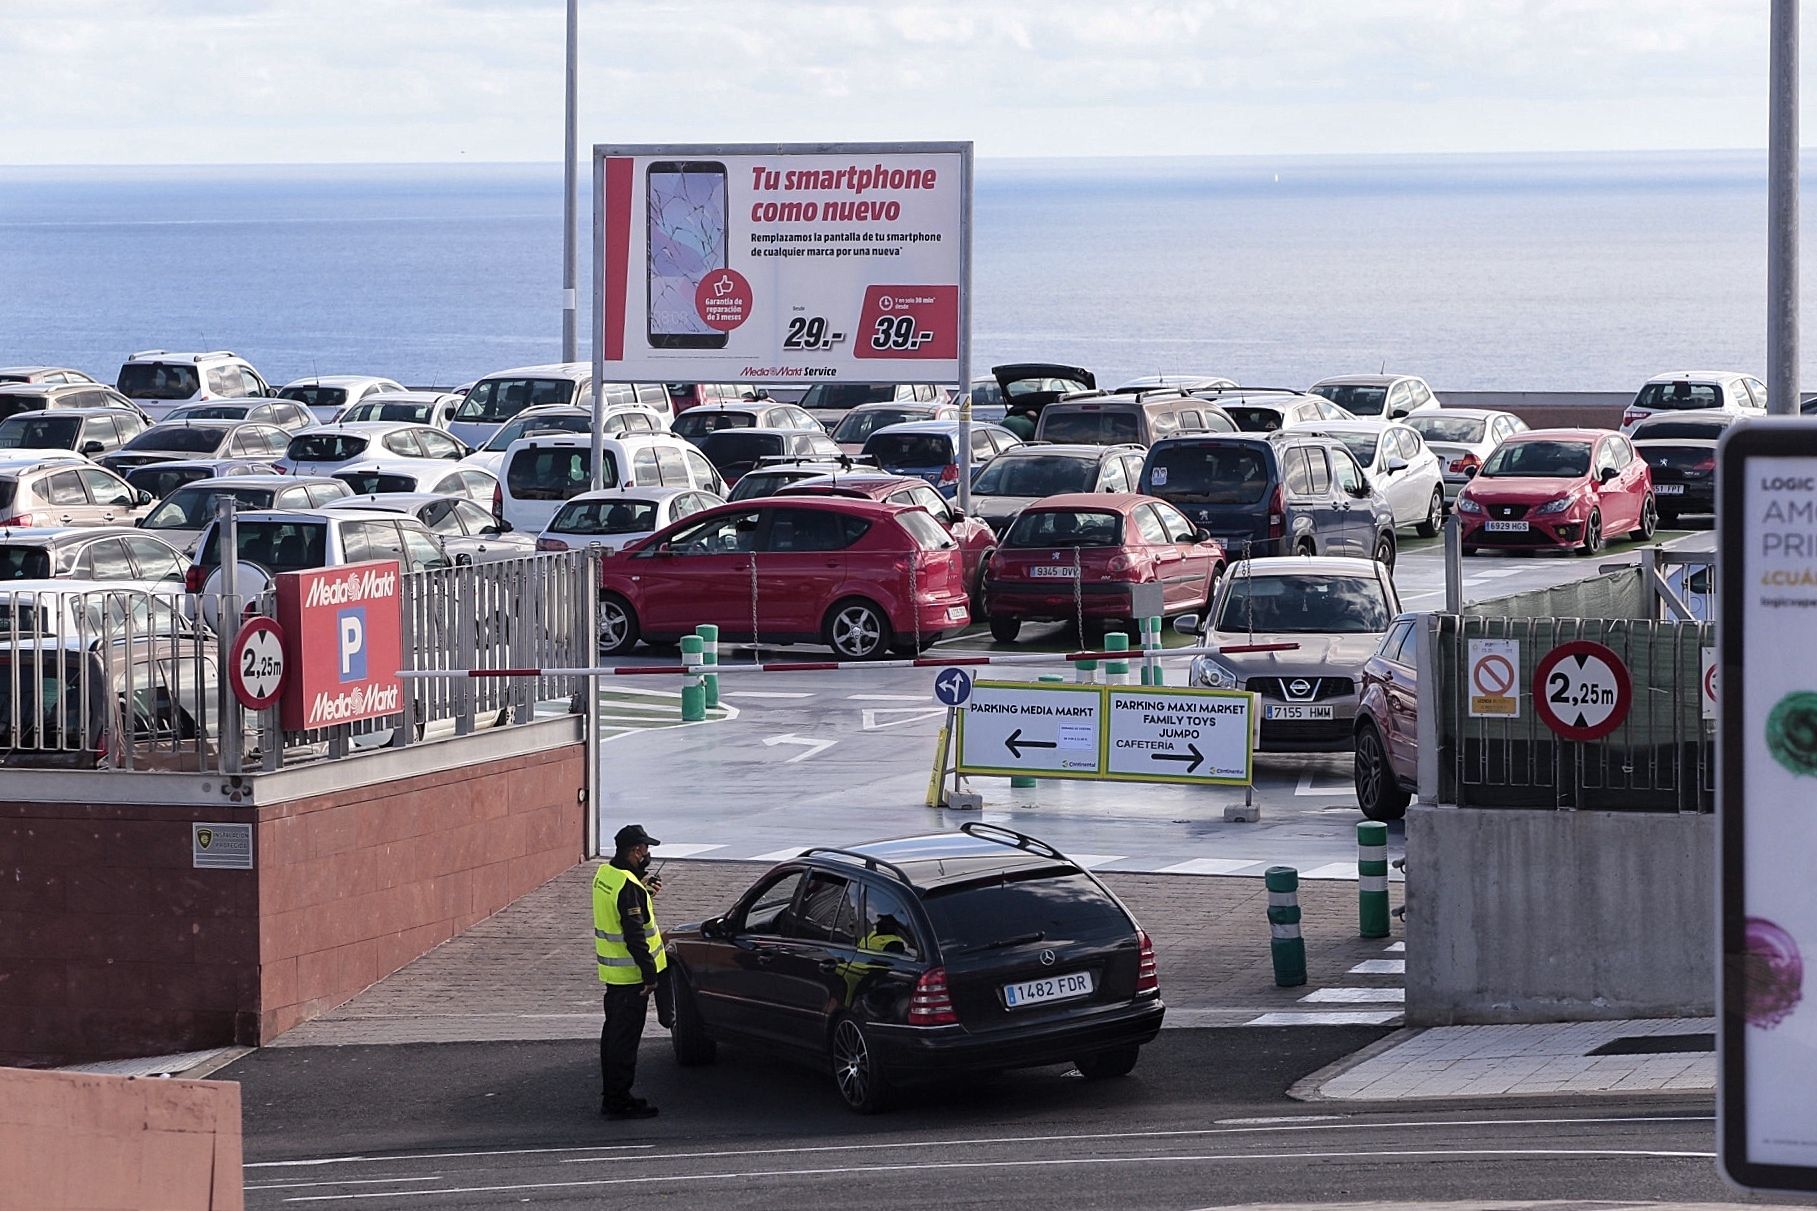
x: 1354, y: 996
x: 1332, y: 870
x: 1210, y: 866
x: 1307, y: 788
x: 685, y: 850
x: 1493, y: 574
x: 433, y: 1156
x: 349, y: 1181
x: 1380, y: 967
x: 778, y: 855
x: 813, y: 746
x: 1396, y: 948
x: 887, y: 698
x: 1336, y: 1017
x: 1279, y: 1118
x: 915, y: 715
x: 762, y: 694
x: 1091, y: 861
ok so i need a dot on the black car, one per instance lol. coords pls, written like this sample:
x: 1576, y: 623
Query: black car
x: 974, y: 951
x: 1021, y: 475
x: 1681, y: 450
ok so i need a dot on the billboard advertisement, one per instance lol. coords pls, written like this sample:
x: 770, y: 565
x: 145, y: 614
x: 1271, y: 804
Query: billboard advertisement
x: 783, y: 263
x: 344, y: 644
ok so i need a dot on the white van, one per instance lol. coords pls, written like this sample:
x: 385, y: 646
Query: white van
x: 500, y: 396
x: 541, y: 473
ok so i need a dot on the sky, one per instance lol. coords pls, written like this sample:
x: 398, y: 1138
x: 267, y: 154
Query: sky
x: 320, y: 81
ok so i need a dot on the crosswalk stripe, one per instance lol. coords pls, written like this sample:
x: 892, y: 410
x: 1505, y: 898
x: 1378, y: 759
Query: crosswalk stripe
x: 1329, y: 1018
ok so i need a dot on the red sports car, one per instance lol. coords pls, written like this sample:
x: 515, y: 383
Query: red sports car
x: 975, y: 538
x: 1558, y: 488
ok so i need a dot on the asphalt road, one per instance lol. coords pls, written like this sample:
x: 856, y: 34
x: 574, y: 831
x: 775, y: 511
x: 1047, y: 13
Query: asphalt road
x: 1204, y: 1121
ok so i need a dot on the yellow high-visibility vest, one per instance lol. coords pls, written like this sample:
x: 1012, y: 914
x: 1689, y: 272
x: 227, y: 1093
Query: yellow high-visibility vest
x: 616, y: 966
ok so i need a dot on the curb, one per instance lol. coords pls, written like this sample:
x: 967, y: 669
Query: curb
x: 1307, y: 1088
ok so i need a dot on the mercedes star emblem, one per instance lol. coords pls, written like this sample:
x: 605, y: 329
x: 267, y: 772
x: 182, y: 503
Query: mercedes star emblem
x: 1047, y: 958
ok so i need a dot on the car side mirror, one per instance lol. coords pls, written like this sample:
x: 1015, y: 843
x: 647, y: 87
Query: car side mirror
x: 1397, y: 463
x: 144, y: 498
x: 1470, y: 472
x: 1362, y: 489
x: 714, y: 927
x: 1201, y: 535
x: 666, y: 550
x: 1607, y: 474
x: 463, y: 560
x: 91, y: 447
x: 1187, y: 624
x: 1397, y: 414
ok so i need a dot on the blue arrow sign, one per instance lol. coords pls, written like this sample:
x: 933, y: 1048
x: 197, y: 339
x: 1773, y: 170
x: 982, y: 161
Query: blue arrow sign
x: 952, y: 687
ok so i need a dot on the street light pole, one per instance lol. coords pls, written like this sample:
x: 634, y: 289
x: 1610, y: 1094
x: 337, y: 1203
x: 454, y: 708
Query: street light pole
x: 1782, y: 212
x: 569, y: 251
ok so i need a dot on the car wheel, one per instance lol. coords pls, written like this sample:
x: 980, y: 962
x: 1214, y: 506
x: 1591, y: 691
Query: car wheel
x: 1005, y: 630
x: 857, y: 630
x: 1592, y: 534
x: 693, y: 1046
x: 861, y: 1083
x: 1649, y: 520
x: 1435, y: 516
x: 1102, y: 1065
x: 1378, y: 792
x: 1384, y: 549
x: 617, y: 625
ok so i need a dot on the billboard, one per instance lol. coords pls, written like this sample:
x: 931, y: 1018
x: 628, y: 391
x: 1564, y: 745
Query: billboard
x: 343, y: 630
x: 783, y: 263
x: 1767, y: 784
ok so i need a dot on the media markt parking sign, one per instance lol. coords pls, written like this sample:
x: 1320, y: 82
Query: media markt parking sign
x: 783, y: 263
x: 1013, y: 728
x: 344, y: 633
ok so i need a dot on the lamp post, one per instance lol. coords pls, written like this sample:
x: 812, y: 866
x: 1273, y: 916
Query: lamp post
x: 1782, y: 212
x: 569, y: 251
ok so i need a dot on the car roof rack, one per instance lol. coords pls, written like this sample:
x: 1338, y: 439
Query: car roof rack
x: 1248, y: 390
x: 1010, y: 837
x: 871, y: 862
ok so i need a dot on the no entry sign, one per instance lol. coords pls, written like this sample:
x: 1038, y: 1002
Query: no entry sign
x: 1581, y: 690
x: 1494, y: 669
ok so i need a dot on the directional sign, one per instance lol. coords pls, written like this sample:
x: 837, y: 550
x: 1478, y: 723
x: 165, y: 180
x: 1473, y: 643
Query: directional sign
x: 1581, y: 690
x: 1012, y: 728
x: 1163, y: 735
x: 952, y: 687
x: 256, y: 664
x: 1494, y: 669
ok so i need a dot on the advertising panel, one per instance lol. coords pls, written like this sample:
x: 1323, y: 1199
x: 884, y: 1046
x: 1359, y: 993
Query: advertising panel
x: 343, y: 630
x: 780, y: 263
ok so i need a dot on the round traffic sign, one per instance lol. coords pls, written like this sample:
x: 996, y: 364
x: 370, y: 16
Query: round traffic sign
x: 1581, y: 690
x: 256, y: 663
x: 1493, y: 675
x: 952, y: 687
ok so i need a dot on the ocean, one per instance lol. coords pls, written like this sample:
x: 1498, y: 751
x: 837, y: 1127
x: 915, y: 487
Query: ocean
x: 1584, y: 272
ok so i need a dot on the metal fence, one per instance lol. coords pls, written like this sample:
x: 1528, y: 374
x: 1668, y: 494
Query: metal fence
x: 93, y: 677
x: 1661, y: 757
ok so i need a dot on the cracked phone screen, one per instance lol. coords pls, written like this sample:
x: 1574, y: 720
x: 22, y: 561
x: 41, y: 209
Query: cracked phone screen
x: 687, y: 238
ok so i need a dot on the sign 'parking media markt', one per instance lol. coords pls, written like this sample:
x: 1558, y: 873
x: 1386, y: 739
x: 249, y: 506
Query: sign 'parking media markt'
x: 1022, y: 729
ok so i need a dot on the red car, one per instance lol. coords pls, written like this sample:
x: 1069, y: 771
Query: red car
x: 1387, y: 724
x: 976, y: 539
x: 863, y: 577
x: 1077, y: 554
x: 1558, y: 488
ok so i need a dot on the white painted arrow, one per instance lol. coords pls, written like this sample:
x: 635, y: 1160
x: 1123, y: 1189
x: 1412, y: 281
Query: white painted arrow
x: 813, y: 746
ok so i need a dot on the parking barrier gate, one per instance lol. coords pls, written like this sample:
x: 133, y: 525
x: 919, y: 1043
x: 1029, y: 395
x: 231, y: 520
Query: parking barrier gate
x: 1285, y: 945
x: 1372, y: 879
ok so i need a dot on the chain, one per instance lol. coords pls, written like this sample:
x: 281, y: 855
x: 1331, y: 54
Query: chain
x: 754, y: 641
x: 1079, y: 597
x: 915, y: 593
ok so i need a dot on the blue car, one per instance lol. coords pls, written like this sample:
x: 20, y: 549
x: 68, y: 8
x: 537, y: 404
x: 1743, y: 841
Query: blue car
x: 930, y: 449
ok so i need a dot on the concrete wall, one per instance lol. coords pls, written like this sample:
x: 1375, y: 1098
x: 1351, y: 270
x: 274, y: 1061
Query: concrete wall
x: 74, y: 1142
x: 1520, y: 915
x: 1549, y: 409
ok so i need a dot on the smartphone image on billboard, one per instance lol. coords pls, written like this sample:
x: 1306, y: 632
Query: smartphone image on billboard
x: 687, y: 210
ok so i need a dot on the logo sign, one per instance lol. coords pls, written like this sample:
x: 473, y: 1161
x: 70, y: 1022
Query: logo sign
x: 1019, y: 728
x: 1163, y: 735
x: 256, y: 664
x: 784, y: 263
x: 220, y: 846
x: 952, y: 687
x: 1581, y: 690
x: 1494, y: 670
x: 1706, y: 682
x: 344, y: 628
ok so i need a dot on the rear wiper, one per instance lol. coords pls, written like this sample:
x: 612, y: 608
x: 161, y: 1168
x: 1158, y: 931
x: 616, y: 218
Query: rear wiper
x: 1025, y: 938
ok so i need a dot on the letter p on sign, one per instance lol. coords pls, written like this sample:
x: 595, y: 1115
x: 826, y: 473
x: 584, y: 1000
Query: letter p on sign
x: 351, y: 624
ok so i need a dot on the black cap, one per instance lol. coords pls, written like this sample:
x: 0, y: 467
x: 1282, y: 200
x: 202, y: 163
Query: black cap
x: 633, y: 834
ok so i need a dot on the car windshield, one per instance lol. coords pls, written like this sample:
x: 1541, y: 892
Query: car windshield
x: 1066, y: 528
x: 193, y: 507
x: 987, y: 393
x: 1037, y: 475
x: 846, y: 395
x: 39, y: 432
x: 1360, y: 445
x: 158, y: 380
x: 556, y: 472
x: 858, y: 426
x: 1354, y: 398
x: 929, y: 534
x: 1204, y: 473
x: 734, y: 448
x: 161, y: 479
x: 1039, y: 905
x: 411, y: 413
x: 1448, y: 428
x: 315, y: 397
x: 1254, y: 418
x: 606, y: 517
x: 1539, y: 460
x: 11, y: 403
x: 276, y: 546
x: 365, y: 483
x: 1099, y: 427
x: 892, y: 450
x: 211, y: 412
x: 499, y: 399
x: 548, y: 422
x: 21, y: 562
x: 1678, y: 395
x: 326, y: 447
x: 1645, y: 431
x: 1305, y: 604
x: 695, y: 423
x: 181, y: 438
x: 768, y: 483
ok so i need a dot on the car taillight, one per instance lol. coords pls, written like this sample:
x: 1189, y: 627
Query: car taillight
x: 1148, y: 977
x: 1462, y: 465
x: 550, y: 544
x: 1632, y: 415
x: 1122, y: 566
x: 932, y: 1004
x: 498, y: 500
x: 1277, y: 513
x: 194, y: 577
x: 1708, y: 464
x: 20, y: 519
x: 278, y: 469
x: 949, y: 474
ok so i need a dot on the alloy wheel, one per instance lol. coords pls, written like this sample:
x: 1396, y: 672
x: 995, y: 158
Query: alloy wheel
x: 852, y: 1063
x: 857, y: 631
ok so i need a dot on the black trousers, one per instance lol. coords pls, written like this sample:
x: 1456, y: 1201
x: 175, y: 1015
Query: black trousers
x: 626, y: 1009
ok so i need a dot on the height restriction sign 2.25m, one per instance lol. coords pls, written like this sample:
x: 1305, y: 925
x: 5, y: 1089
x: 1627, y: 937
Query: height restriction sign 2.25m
x: 783, y: 263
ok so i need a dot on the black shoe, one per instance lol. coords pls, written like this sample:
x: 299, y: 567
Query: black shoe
x: 629, y: 1110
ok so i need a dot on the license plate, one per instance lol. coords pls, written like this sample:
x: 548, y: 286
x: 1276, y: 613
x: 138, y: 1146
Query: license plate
x: 1053, y: 988
x: 954, y: 613
x: 1054, y: 571
x: 1506, y: 527
x: 1297, y: 712
x: 1669, y: 489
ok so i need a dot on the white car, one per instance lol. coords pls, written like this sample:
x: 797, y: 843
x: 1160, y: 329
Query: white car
x: 464, y: 527
x: 1462, y: 438
x: 334, y: 447
x: 617, y: 517
x: 434, y: 476
x: 159, y: 380
x: 703, y: 419
x: 500, y: 396
x: 411, y: 407
x: 559, y: 418
x: 327, y: 394
x: 1728, y: 391
x: 1389, y: 396
x: 543, y: 472
x: 1399, y: 466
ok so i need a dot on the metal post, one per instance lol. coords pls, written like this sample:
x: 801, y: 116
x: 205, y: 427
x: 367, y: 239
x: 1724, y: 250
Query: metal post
x: 965, y: 330
x: 1454, y: 565
x: 227, y: 619
x: 1372, y: 879
x: 1285, y: 946
x: 595, y: 750
x: 570, y: 220
x: 1425, y: 635
x: 1782, y: 211
x: 598, y: 478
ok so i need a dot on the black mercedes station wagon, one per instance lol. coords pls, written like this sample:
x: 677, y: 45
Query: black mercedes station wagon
x: 973, y: 951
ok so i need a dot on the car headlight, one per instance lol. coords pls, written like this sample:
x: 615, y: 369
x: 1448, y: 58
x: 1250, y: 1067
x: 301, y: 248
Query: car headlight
x: 1557, y: 506
x: 1467, y: 505
x: 1214, y: 674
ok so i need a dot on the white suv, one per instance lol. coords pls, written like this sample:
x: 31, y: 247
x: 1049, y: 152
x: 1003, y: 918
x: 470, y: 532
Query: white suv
x: 159, y: 380
x: 541, y: 473
x: 1729, y: 391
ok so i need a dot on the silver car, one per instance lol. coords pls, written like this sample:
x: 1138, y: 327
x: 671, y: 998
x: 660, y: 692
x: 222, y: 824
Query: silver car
x: 1333, y: 610
x: 1462, y: 438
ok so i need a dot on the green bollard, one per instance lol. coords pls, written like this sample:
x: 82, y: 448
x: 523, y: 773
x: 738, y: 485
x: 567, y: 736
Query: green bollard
x: 693, y: 689
x: 1372, y: 879
x: 1116, y: 672
x: 709, y: 644
x: 1285, y: 944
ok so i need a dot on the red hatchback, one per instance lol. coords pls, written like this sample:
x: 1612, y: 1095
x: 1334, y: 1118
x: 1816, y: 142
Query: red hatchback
x: 975, y: 538
x: 1558, y: 488
x: 1077, y: 554
x: 861, y: 576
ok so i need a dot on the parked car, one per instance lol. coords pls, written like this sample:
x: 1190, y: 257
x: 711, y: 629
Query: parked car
x: 1022, y: 475
x: 829, y: 402
x: 1399, y: 466
x: 1386, y: 733
x: 184, y: 439
x: 1268, y: 410
x: 468, y: 533
x: 1074, y: 558
x: 1334, y: 609
x: 159, y: 380
x: 270, y: 541
x: 1680, y: 451
x: 500, y: 396
x: 285, y: 414
x: 703, y: 419
x: 930, y: 449
x: 1558, y: 488
x: 43, y: 397
x: 977, y: 541
x: 683, y: 396
x: 1284, y: 493
x: 161, y: 479
x: 542, y: 472
x: 90, y: 432
x: 557, y: 418
x: 1027, y: 388
x: 57, y: 488
x: 54, y: 375
x: 1726, y: 391
x: 332, y: 448
x: 1462, y: 438
x: 407, y: 407
x: 1184, y: 383
x: 180, y: 517
x: 110, y: 554
x: 851, y: 433
x: 434, y: 476
x: 325, y: 395
x: 860, y: 576
x: 772, y: 477
x: 734, y: 452
x: 1384, y: 396
x: 617, y: 517
x: 1109, y: 419
x: 922, y: 957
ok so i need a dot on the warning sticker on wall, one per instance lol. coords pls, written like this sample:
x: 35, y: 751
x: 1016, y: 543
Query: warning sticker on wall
x: 1494, y: 671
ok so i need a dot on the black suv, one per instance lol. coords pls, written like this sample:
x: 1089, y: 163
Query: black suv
x: 979, y: 950
x: 1283, y: 493
x: 1022, y: 475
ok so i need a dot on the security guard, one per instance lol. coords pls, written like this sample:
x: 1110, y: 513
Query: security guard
x: 632, y: 965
